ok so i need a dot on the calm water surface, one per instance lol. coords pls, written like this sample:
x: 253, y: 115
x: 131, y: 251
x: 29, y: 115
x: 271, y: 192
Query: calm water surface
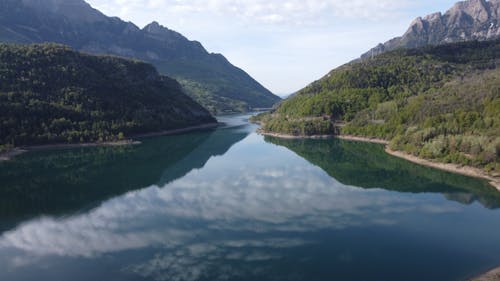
x: 233, y: 205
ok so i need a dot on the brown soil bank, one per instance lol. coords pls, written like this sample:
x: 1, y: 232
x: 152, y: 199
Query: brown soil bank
x: 493, y: 275
x: 454, y: 168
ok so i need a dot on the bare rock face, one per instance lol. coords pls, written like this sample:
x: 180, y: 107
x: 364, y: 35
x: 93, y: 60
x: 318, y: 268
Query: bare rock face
x: 465, y: 21
x: 493, y: 275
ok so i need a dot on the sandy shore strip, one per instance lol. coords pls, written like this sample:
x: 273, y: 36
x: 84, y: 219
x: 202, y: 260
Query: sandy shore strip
x: 453, y: 168
x: 11, y: 153
x: 292, y: 137
x: 356, y: 138
x: 343, y: 137
x: 493, y: 275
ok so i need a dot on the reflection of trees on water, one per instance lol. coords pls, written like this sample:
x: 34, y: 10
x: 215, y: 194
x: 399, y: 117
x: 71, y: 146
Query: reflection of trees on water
x: 51, y: 182
x: 367, y: 165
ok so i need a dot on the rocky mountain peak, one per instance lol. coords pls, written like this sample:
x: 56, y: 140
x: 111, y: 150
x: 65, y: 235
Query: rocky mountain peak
x: 477, y: 9
x: 154, y: 27
x: 433, y: 17
x: 162, y: 33
x: 466, y: 20
x: 418, y: 25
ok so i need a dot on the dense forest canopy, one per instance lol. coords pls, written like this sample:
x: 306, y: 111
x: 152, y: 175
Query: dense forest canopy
x: 52, y: 94
x: 439, y: 102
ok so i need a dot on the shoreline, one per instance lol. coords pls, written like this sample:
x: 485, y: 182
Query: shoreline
x: 292, y: 137
x: 11, y: 153
x: 492, y: 275
x: 342, y: 137
x: 77, y: 145
x: 178, y: 131
x: 362, y: 139
x: 448, y: 167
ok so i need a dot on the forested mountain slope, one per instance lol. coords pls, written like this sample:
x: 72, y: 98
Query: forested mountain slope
x: 52, y: 94
x: 439, y: 102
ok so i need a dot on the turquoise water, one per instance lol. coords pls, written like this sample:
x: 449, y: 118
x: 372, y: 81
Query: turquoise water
x: 230, y: 204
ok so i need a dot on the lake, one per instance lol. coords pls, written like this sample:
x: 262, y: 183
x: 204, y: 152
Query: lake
x: 229, y: 204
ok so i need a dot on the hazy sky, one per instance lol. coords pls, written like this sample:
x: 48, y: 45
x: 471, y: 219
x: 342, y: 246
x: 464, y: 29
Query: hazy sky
x: 285, y: 44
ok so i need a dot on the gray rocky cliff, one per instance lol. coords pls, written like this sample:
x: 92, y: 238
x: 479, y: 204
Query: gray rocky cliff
x: 465, y: 21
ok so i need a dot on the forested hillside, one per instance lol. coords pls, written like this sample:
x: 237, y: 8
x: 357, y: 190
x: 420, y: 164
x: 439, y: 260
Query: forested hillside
x: 208, y: 78
x: 52, y: 94
x: 436, y: 102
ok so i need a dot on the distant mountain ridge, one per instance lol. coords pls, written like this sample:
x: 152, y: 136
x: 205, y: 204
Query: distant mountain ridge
x: 465, y: 21
x: 209, y: 78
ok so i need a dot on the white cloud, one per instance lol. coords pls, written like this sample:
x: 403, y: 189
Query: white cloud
x: 253, y: 34
x: 297, y: 12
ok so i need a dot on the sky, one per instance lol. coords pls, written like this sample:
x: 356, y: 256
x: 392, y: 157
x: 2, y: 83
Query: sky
x: 287, y: 44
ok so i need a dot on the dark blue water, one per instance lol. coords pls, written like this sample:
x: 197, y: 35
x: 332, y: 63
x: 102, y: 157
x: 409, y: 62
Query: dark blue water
x: 232, y: 205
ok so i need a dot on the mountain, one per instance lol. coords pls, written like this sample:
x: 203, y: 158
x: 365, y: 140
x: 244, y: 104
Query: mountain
x: 465, y: 21
x: 437, y: 102
x: 52, y: 94
x: 209, y: 78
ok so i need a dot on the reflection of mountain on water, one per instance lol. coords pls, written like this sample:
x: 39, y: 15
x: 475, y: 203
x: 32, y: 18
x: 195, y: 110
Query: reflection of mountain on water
x: 368, y: 166
x: 52, y: 182
x: 269, y: 216
x: 218, y: 143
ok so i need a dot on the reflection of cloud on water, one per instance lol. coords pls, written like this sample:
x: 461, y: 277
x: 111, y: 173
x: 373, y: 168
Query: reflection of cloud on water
x: 173, y: 218
x: 204, y: 260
